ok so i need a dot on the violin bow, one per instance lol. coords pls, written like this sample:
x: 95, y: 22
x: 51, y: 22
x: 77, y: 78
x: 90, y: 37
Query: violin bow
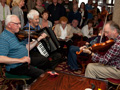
x: 29, y: 44
x: 103, y: 28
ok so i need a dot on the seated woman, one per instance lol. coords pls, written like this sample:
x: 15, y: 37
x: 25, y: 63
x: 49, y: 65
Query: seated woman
x: 72, y: 57
x: 44, y: 22
x: 63, y: 32
x: 87, y: 30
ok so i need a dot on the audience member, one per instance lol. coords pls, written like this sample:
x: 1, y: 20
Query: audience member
x: 84, y: 14
x: 56, y: 11
x: 30, y: 4
x: 87, y: 30
x: 108, y: 64
x: 39, y: 6
x: 44, y: 22
x: 46, y: 3
x: 95, y: 21
x: 89, y: 9
x: 74, y: 2
x: 63, y: 32
x: 60, y: 2
x: 68, y: 6
x: 95, y: 9
x: 4, y: 11
x: 74, y: 14
x: 16, y: 10
x: 104, y: 12
x: 75, y: 28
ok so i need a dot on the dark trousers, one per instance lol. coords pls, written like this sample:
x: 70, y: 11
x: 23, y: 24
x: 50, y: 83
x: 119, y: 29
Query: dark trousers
x: 37, y: 66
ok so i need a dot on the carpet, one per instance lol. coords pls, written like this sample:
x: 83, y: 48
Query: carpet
x: 62, y: 67
x: 12, y: 84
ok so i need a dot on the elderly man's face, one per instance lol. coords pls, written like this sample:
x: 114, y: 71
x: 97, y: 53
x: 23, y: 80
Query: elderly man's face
x: 35, y: 21
x: 108, y: 31
x: 14, y: 25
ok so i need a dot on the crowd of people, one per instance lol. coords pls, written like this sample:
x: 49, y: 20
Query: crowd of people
x: 66, y: 20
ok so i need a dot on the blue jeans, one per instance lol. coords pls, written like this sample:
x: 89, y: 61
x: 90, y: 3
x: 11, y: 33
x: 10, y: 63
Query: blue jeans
x: 72, y: 57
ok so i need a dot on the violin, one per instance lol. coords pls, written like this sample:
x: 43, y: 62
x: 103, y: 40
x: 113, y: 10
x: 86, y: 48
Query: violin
x: 100, y: 46
x: 21, y: 35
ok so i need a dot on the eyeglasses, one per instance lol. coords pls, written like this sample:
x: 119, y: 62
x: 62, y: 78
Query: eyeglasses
x: 16, y: 23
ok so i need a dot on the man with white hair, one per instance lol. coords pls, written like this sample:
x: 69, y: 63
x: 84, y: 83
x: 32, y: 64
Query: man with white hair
x: 11, y: 47
x: 33, y: 20
x: 33, y: 23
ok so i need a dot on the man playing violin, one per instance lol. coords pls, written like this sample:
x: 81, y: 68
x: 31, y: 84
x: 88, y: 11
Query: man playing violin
x: 12, y: 48
x: 72, y: 57
x: 107, y: 65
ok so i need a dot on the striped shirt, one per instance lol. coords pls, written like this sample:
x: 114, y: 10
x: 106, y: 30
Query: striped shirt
x: 111, y: 57
x: 11, y: 47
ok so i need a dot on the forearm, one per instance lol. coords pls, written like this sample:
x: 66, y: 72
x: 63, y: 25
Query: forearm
x: 32, y: 44
x: 8, y: 60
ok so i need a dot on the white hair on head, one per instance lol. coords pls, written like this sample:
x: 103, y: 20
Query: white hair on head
x: 32, y: 13
x: 9, y: 19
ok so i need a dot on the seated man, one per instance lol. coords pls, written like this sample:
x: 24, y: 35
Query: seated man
x: 72, y: 57
x: 11, y: 47
x: 107, y: 65
x: 75, y: 29
x: 33, y: 18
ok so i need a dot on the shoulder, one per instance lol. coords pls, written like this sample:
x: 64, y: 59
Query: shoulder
x: 40, y: 20
x: 15, y: 8
x: 57, y: 26
x: 69, y: 26
x: 49, y: 22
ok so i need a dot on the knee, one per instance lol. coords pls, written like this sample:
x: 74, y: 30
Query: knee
x: 90, y: 66
x: 71, y: 49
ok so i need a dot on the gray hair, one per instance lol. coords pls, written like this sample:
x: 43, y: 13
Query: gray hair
x: 113, y: 26
x: 9, y: 19
x: 32, y: 13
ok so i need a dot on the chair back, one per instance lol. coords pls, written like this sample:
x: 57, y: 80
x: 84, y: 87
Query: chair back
x: 1, y: 70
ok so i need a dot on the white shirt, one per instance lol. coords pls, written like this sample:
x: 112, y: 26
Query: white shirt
x: 82, y: 14
x: 63, y: 32
x: 7, y: 11
x: 87, y: 32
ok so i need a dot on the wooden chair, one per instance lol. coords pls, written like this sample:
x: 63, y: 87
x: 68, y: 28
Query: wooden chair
x: 115, y: 82
x: 7, y: 76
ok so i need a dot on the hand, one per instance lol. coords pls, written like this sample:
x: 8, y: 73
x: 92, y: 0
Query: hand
x: 67, y: 37
x: 83, y: 47
x: 42, y: 36
x: 83, y: 17
x: 79, y: 34
x: 86, y: 51
x: 25, y: 59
